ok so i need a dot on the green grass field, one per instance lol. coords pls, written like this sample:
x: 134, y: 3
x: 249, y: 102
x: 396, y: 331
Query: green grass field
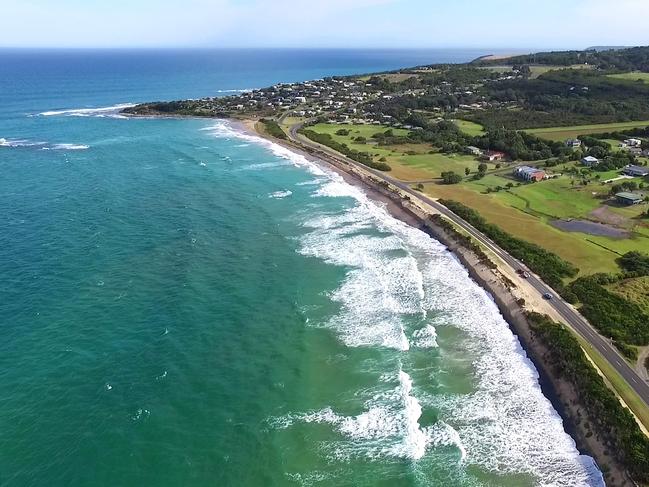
x: 470, y: 128
x: 615, y: 144
x: 564, y: 133
x: 525, y: 210
x: 537, y: 70
x: 634, y: 76
x: 410, y: 162
x: 356, y: 130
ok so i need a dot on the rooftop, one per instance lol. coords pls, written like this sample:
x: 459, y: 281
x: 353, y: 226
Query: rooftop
x: 640, y: 169
x: 629, y: 196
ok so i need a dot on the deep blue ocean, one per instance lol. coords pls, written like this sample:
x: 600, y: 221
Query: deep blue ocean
x: 185, y: 304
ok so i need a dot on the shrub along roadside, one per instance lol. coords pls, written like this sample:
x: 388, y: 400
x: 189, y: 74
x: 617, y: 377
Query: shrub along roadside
x: 462, y: 239
x: 611, y: 314
x: 273, y: 128
x: 549, y: 266
x: 635, y: 263
x: 362, y: 157
x: 565, y: 356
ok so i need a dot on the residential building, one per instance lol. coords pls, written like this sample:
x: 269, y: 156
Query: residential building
x: 629, y: 199
x: 574, y: 143
x: 636, y: 171
x: 474, y: 150
x: 590, y: 161
x: 633, y: 142
x: 527, y: 173
x: 492, y: 155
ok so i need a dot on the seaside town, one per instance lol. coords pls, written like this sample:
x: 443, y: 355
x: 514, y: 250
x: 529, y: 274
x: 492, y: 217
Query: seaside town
x: 422, y: 98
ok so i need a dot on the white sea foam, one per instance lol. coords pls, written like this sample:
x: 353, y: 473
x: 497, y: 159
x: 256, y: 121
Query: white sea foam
x: 280, y: 194
x: 19, y: 143
x: 425, y: 337
x: 443, y: 434
x: 387, y: 428
x: 223, y: 129
x: 312, y: 182
x: 112, y: 111
x: 67, y: 147
x: 415, y: 440
x: 506, y: 424
x: 141, y: 413
x: 384, y: 284
x: 310, y: 478
x: 400, y: 288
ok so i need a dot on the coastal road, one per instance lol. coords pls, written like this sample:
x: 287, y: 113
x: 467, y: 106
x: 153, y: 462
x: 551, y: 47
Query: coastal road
x: 569, y: 314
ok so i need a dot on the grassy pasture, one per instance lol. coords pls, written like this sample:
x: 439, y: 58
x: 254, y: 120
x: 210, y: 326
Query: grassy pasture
x: 470, y: 128
x: 527, y: 210
x: 409, y: 162
x: 564, y: 133
x: 537, y: 70
x: 634, y: 76
x: 524, y: 210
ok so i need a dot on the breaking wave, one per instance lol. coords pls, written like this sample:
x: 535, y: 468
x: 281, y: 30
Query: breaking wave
x: 222, y: 129
x: 67, y: 147
x: 19, y: 143
x: 23, y: 143
x: 388, y: 427
x: 399, y: 291
x: 280, y: 194
x: 109, y: 112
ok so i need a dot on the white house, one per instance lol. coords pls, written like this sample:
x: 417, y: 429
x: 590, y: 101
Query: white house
x: 574, y: 143
x: 590, y: 161
x: 633, y: 142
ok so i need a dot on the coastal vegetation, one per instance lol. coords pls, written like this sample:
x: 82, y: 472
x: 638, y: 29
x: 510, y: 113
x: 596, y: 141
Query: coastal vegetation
x: 562, y: 133
x: 549, y: 266
x: 635, y: 263
x: 272, y: 128
x: 614, y: 316
x: 358, y: 156
x: 564, y: 355
x: 462, y: 239
x: 629, y: 59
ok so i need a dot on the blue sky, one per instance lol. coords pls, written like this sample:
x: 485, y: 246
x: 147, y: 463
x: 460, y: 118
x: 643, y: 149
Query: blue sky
x: 323, y: 23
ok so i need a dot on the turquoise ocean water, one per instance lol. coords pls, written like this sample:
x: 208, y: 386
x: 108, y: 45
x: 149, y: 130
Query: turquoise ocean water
x: 183, y: 304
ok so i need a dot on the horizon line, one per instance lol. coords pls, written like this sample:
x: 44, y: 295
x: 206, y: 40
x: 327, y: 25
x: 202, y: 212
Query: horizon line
x: 341, y: 48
